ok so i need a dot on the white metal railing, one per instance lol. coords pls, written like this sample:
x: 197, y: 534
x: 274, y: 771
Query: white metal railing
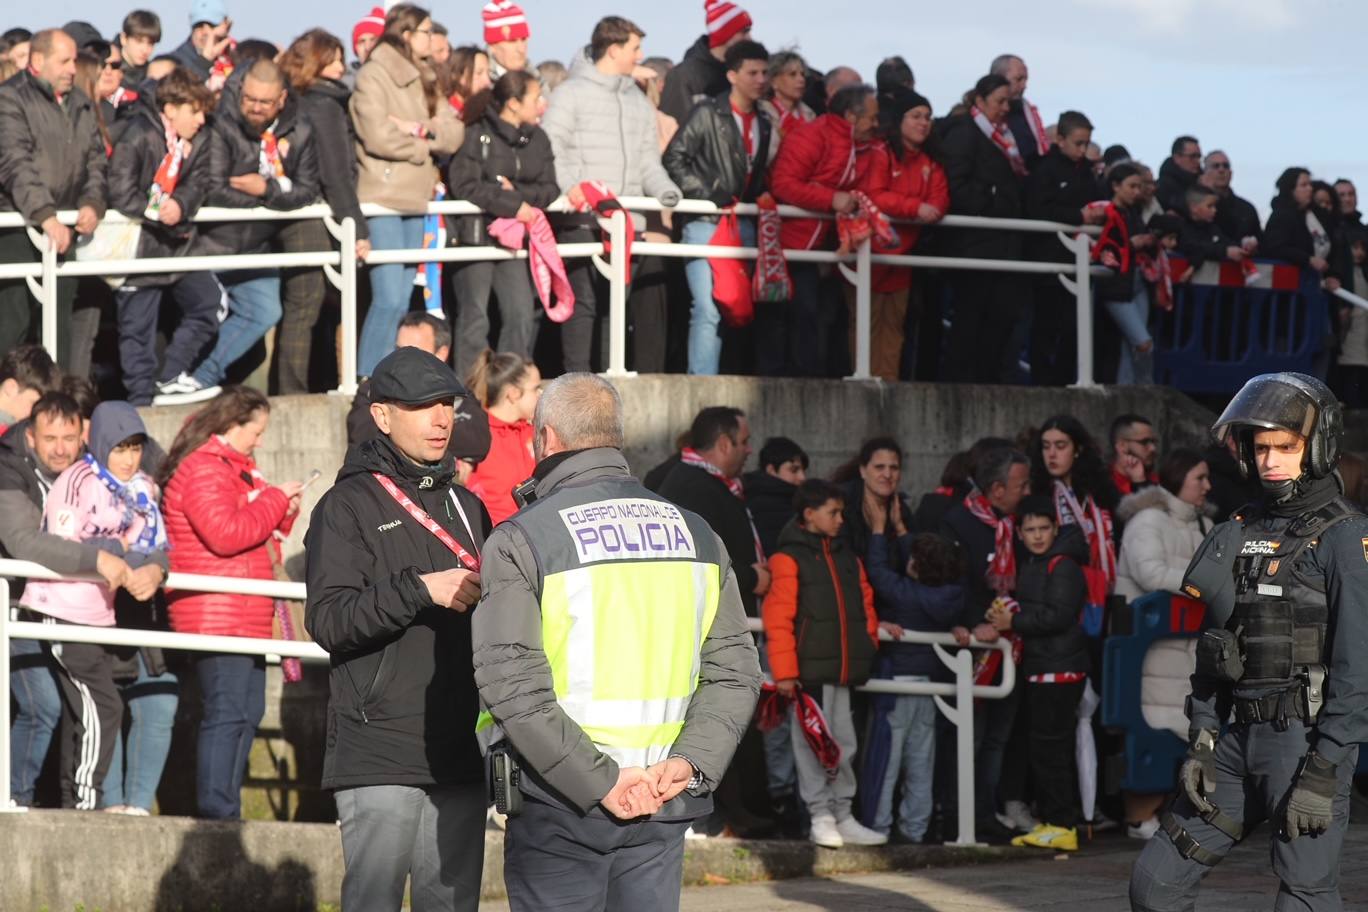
x: 340, y: 266
x: 961, y: 663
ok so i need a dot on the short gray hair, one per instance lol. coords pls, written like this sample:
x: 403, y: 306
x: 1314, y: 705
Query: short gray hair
x: 1001, y: 63
x: 584, y: 410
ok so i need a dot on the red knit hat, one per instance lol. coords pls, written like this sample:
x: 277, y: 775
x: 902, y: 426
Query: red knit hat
x: 373, y: 23
x: 504, y: 21
x: 725, y: 21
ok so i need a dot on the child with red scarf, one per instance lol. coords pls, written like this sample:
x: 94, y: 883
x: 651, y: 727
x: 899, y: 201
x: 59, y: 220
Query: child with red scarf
x: 148, y: 181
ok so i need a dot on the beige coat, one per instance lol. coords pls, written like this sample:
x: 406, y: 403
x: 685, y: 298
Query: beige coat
x: 396, y: 167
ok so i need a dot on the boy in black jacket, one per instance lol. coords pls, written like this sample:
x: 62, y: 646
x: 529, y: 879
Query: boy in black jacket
x: 1201, y: 239
x: 149, y: 179
x: 1050, y: 594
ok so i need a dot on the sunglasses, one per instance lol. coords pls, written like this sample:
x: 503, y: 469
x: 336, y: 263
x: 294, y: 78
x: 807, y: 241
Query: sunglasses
x: 113, y: 65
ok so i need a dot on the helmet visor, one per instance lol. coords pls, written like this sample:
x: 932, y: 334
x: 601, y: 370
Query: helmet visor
x: 1272, y: 403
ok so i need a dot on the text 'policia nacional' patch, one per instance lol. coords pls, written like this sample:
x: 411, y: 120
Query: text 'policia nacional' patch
x: 629, y: 529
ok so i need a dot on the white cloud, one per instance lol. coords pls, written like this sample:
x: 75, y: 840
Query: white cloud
x: 1176, y: 16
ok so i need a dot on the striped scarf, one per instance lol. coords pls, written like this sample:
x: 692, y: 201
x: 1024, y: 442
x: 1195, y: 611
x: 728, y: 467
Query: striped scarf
x: 690, y: 457
x: 1002, y: 138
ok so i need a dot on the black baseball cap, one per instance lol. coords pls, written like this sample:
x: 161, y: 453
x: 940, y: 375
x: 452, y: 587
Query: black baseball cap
x: 411, y: 376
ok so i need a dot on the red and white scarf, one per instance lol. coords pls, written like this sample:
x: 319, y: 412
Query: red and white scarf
x: 772, y: 281
x: 168, y: 172
x: 599, y: 200
x: 1001, y: 572
x: 1113, y: 247
x: 1037, y: 126
x: 865, y: 222
x: 1096, y: 525
x: 690, y: 457
x: 548, y: 269
x: 1156, y: 270
x: 273, y: 152
x: 790, y: 119
x: 1002, y: 137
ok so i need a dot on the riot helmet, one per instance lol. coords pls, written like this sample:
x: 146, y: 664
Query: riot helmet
x: 1291, y: 402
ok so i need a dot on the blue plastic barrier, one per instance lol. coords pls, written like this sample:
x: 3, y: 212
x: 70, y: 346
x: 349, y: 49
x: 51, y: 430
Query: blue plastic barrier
x: 1218, y: 336
x: 1152, y: 756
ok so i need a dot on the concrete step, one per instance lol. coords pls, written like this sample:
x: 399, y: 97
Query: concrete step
x: 58, y: 860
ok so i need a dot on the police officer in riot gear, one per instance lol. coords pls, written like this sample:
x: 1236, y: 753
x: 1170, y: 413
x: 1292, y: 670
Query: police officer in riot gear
x: 1280, y: 659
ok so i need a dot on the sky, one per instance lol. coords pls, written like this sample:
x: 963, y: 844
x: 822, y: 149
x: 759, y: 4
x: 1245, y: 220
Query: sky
x: 1272, y: 82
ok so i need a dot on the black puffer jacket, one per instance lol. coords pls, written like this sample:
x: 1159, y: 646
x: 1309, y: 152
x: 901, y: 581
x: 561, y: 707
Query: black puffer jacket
x: 492, y: 149
x: 51, y: 156
x: 707, y: 157
x: 233, y: 149
x: 402, y: 700
x: 1171, y: 190
x: 770, y: 501
x: 324, y: 106
x: 1202, y: 242
x: 982, y: 182
x: 1056, y: 191
x: 698, y: 77
x: 132, y: 170
x: 1238, y: 218
x: 1052, y: 592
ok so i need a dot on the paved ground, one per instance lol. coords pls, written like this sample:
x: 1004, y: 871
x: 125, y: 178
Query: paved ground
x: 1094, y: 880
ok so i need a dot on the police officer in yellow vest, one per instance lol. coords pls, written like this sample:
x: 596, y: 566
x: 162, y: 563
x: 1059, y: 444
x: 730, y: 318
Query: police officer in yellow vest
x: 615, y: 669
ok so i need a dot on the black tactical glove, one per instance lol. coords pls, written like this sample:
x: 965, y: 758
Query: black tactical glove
x: 1311, y: 803
x: 1198, y: 772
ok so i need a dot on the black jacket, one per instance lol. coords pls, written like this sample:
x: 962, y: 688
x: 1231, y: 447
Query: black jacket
x: 770, y: 501
x: 982, y: 182
x: 1056, y: 191
x: 1052, y: 602
x: 1238, y: 218
x: 1287, y: 238
x: 698, y: 77
x: 133, y: 168
x: 654, y: 478
x: 188, y: 56
x: 707, y: 157
x: 930, y: 514
x: 1230, y: 490
x: 856, y: 530
x: 977, y: 543
x: 402, y: 700
x: 1173, y: 186
x: 697, y: 491
x: 51, y: 156
x: 494, y: 149
x: 324, y: 106
x: 234, y: 148
x: 1202, y: 242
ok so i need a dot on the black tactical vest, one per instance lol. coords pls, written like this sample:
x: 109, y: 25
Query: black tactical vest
x: 1281, y: 614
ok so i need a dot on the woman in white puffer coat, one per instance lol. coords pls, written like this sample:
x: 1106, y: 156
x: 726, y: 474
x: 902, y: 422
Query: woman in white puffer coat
x: 1165, y: 524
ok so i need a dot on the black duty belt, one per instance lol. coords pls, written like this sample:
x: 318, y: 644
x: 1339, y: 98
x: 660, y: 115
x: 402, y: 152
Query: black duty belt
x: 1275, y: 707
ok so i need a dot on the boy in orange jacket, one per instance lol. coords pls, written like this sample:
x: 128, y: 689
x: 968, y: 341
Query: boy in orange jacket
x: 821, y: 632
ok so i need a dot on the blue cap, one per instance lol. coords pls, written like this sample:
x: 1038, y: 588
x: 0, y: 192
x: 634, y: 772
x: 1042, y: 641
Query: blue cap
x: 212, y: 11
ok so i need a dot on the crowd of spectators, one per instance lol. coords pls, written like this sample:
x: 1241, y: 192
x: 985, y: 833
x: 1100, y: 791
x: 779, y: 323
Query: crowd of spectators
x: 405, y: 113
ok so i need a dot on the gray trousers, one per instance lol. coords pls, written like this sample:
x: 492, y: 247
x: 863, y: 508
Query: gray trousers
x: 1254, y: 769
x: 557, y: 861
x: 435, y: 835
x: 511, y: 283
x: 820, y: 794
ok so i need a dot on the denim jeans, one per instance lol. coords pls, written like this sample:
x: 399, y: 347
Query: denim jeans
x: 391, y: 288
x: 33, y: 682
x: 151, y: 701
x: 705, y: 339
x: 253, y: 308
x: 233, y: 688
x: 912, y: 759
x: 199, y: 297
x: 780, y: 767
x: 1132, y: 318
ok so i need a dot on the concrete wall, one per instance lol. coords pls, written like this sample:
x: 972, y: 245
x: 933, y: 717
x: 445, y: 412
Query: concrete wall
x: 829, y: 418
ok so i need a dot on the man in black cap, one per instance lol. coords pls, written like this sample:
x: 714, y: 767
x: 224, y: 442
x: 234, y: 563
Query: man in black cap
x: 393, y: 571
x: 470, y: 429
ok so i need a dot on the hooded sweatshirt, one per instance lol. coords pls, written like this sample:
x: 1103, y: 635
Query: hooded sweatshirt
x: 88, y: 504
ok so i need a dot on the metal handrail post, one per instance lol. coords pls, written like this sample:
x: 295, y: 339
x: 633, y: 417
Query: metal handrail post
x: 863, y: 301
x: 45, y: 290
x: 617, y: 295
x: 5, y: 795
x: 1083, y: 296
x: 962, y: 715
x: 347, y: 368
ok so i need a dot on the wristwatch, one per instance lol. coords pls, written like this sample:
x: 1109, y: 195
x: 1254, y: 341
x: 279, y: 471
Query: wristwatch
x: 696, y: 781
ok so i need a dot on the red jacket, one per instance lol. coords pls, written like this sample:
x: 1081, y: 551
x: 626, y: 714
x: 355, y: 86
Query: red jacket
x: 906, y: 185
x: 815, y: 161
x: 509, y: 464
x: 216, y: 527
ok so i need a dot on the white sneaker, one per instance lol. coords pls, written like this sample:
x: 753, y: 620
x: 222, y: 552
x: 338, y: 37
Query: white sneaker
x: 1144, y: 830
x: 1017, y: 816
x: 691, y: 833
x: 855, y: 833
x: 184, y: 390
x: 824, y: 832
